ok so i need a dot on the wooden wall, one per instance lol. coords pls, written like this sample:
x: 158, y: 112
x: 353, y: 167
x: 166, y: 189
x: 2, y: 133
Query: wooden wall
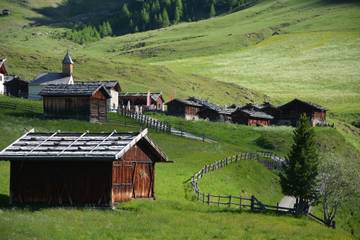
x: 93, y: 108
x: 133, y: 176
x: 67, y: 107
x: 60, y: 182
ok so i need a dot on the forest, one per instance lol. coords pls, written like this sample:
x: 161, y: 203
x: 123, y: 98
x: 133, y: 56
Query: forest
x: 138, y: 16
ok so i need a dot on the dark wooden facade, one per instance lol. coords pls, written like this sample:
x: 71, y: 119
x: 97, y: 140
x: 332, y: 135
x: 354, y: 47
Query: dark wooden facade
x: 184, y: 108
x: 16, y: 87
x: 49, y: 176
x: 210, y: 114
x: 289, y: 113
x: 251, y: 118
x: 90, y: 107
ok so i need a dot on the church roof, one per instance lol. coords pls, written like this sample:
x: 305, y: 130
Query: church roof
x: 51, y: 78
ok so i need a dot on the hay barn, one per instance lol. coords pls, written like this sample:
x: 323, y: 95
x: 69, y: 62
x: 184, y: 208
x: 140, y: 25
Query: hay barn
x: 78, y: 101
x: 76, y: 169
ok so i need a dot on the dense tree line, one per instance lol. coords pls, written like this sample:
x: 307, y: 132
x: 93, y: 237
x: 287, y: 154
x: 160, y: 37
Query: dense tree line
x: 144, y: 15
x: 134, y: 16
x: 89, y: 33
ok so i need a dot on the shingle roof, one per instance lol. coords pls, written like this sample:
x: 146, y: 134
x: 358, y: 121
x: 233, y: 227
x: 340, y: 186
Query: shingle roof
x: 51, y: 78
x: 186, y: 102
x: 206, y: 104
x: 76, y: 146
x: 73, y: 90
x: 313, y: 105
x: 67, y: 59
x: 257, y: 114
x: 108, y: 84
x: 154, y: 96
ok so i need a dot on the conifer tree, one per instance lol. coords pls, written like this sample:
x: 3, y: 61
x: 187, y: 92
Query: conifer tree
x: 212, y: 10
x: 125, y: 11
x: 178, y: 11
x: 300, y: 170
x: 165, y: 18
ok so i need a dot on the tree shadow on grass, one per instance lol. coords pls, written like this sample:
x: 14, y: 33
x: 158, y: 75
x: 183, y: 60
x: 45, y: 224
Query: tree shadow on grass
x: 76, y: 12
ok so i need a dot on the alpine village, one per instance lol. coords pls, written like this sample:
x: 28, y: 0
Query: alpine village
x: 180, y: 119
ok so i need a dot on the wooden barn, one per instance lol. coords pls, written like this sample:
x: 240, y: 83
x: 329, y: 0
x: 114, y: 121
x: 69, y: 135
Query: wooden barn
x: 15, y: 87
x: 113, y: 87
x: 140, y: 101
x: 187, y: 109
x: 289, y: 113
x: 81, y: 169
x: 78, y: 101
x: 251, y: 117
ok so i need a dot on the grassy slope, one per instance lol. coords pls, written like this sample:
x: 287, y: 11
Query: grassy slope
x: 150, y: 219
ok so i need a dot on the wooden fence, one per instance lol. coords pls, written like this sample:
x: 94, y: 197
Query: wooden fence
x: 268, y: 159
x: 146, y: 121
x: 16, y: 106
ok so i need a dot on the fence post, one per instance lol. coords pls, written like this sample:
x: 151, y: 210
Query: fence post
x: 229, y: 201
x: 208, y: 199
x: 277, y: 207
x: 240, y: 201
x: 252, y: 203
x: 203, y: 197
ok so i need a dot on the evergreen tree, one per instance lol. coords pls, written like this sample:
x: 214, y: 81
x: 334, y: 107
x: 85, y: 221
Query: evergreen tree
x: 165, y: 18
x: 212, y: 10
x: 125, y: 11
x: 145, y: 18
x: 109, y: 29
x: 178, y: 11
x: 300, y: 170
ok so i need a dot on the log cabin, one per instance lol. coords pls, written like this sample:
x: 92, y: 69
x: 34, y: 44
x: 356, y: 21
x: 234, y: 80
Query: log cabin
x: 113, y: 88
x: 289, y: 113
x: 251, y: 117
x: 52, y: 78
x: 15, y: 87
x: 81, y: 169
x: 78, y: 101
x: 187, y: 109
x: 141, y: 101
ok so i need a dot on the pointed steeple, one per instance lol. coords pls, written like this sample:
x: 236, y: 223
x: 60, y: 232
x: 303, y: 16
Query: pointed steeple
x: 68, y: 64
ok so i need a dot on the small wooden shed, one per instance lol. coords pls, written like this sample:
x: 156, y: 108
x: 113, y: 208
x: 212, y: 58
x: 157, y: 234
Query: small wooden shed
x: 78, y: 101
x: 184, y: 108
x: 15, y: 87
x: 97, y: 169
x: 290, y: 113
x: 251, y: 117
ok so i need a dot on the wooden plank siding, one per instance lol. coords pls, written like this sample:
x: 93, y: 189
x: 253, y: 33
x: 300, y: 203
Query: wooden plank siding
x: 60, y: 183
x: 133, y: 175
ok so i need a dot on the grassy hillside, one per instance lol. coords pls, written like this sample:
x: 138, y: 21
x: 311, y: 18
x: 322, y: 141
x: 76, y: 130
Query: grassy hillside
x: 173, y: 206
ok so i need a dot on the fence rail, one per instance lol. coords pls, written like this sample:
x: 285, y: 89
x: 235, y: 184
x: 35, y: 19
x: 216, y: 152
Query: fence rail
x: 147, y: 121
x: 268, y: 159
x: 15, y: 106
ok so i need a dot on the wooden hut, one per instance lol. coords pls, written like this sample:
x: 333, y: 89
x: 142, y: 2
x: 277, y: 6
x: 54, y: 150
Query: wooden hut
x: 15, y: 87
x: 141, y: 101
x: 289, y: 113
x: 187, y: 109
x: 113, y: 87
x: 78, y: 169
x: 251, y: 117
x: 79, y: 101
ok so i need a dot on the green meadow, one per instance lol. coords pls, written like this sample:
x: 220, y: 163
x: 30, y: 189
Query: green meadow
x: 174, y: 214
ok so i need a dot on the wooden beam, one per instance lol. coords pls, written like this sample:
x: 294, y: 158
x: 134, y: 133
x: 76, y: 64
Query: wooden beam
x: 131, y: 143
x: 73, y: 142
x: 30, y: 131
x: 113, y: 132
x: 47, y: 139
